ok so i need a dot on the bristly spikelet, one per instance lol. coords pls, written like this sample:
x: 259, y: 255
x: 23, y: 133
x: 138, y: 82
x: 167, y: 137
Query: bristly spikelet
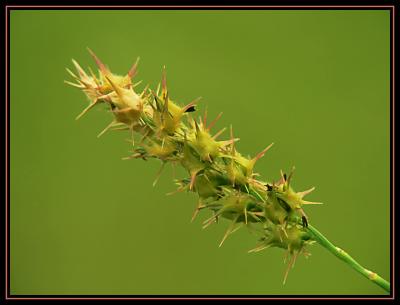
x: 223, y: 179
x: 168, y: 115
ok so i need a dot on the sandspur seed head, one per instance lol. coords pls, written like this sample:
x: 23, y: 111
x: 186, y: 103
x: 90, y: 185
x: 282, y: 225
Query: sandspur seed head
x: 223, y: 179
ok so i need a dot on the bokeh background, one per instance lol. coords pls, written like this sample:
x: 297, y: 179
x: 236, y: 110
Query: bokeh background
x: 317, y: 83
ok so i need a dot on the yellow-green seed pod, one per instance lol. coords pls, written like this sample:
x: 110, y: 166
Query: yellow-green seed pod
x: 162, y: 151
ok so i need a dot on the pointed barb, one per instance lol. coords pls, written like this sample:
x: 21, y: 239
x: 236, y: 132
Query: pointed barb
x: 144, y: 136
x: 261, y: 154
x: 228, y: 142
x: 283, y: 175
x: 280, y: 236
x: 237, y: 228
x: 132, y: 135
x: 229, y: 231
x: 293, y: 257
x: 214, y: 121
x: 205, y: 117
x: 158, y: 175
x: 310, y: 202
x: 259, y: 248
x: 192, y: 180
x: 74, y: 85
x: 144, y: 92
x: 233, y: 142
x: 164, y: 89
x: 137, y: 84
x: 158, y: 89
x: 133, y: 70
x: 86, y: 109
x: 72, y: 73
x: 255, y: 216
x: 305, y: 193
x: 94, y: 77
x: 196, y: 126
x: 282, y: 180
x: 196, y: 211
x: 79, y: 80
x: 99, y: 63
x: 105, y: 129
x: 78, y: 68
x: 284, y: 230
x: 285, y: 257
x: 121, y: 129
x: 105, y: 97
x: 180, y: 189
x: 212, y: 219
x: 290, y: 175
x: 209, y: 222
x: 219, y: 133
x: 166, y: 103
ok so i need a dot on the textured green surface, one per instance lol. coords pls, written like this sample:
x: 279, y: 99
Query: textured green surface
x: 314, y: 82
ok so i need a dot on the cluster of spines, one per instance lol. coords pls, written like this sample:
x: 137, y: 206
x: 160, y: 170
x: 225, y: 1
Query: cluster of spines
x: 224, y: 180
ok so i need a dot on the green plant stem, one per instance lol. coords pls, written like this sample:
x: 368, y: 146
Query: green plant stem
x: 341, y: 254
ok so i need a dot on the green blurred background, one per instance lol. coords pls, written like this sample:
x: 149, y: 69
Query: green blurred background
x: 317, y: 83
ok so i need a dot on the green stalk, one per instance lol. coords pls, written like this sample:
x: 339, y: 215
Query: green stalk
x: 324, y: 242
